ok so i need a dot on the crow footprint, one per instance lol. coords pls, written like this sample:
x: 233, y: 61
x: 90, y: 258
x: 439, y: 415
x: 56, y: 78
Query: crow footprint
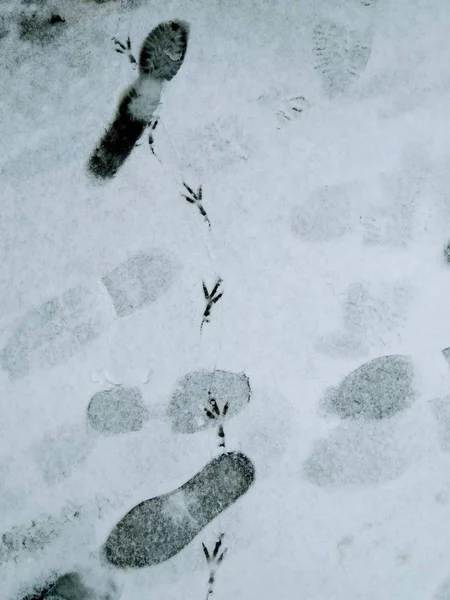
x: 191, y: 400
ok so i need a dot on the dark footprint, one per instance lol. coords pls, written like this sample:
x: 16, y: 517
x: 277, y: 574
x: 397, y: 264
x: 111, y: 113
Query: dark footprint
x: 40, y: 26
x: 161, y: 57
x: 73, y: 586
x: 138, y: 281
x: 39, y: 535
x: 121, y: 136
x: 378, y: 389
x: 187, y: 405
x: 42, y: 594
x: 118, y: 410
x: 159, y: 528
x: 164, y: 49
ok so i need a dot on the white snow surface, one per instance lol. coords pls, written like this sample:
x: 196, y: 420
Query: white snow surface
x: 307, y: 208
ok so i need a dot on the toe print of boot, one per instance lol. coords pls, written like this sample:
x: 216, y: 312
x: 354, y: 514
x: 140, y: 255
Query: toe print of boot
x: 376, y: 390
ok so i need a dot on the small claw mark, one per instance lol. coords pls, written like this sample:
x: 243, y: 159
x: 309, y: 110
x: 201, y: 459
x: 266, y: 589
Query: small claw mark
x: 221, y: 557
x: 121, y: 47
x: 213, y: 403
x: 189, y: 189
x: 196, y: 198
x: 206, y: 553
x: 209, y: 413
x: 217, y: 546
x: 152, y: 125
x: 215, y: 288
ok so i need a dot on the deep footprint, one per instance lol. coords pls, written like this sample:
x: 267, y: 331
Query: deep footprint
x: 73, y: 586
x: 159, y: 528
x: 121, y: 136
x: 377, y: 389
x: 164, y: 49
x: 40, y: 26
x: 28, y: 539
x: 161, y: 57
x: 187, y: 406
x: 38, y: 595
x: 118, y: 410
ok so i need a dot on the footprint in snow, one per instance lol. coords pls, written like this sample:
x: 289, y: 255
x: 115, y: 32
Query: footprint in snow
x: 159, y: 528
x: 52, y: 332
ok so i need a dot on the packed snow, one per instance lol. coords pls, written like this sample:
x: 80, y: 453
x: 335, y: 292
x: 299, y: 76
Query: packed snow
x: 313, y: 137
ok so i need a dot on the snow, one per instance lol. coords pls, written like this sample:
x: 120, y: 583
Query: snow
x: 329, y: 225
x: 149, y: 89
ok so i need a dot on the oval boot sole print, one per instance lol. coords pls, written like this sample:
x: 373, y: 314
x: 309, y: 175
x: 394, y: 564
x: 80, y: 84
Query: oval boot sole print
x: 157, y: 529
